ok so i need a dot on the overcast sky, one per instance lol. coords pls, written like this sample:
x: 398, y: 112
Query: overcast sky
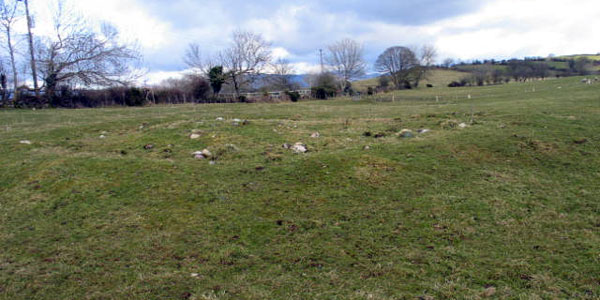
x: 461, y: 29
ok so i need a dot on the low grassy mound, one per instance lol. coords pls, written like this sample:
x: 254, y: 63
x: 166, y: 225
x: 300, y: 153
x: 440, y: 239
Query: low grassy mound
x: 442, y: 194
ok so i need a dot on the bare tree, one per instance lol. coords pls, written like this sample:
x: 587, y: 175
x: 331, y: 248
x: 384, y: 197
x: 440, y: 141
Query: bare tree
x: 282, y: 71
x: 247, y: 57
x: 428, y: 55
x: 32, y: 60
x: 346, y: 59
x: 3, y: 85
x: 8, y: 17
x: 79, y: 54
x: 427, y: 58
x: 448, y: 62
x: 397, y: 62
x: 193, y: 58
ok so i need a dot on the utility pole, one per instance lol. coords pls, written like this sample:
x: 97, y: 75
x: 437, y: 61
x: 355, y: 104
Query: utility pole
x: 322, y: 66
x: 31, y: 52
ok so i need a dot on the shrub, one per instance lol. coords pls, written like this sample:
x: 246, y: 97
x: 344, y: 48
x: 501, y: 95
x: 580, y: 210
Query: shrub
x: 294, y: 96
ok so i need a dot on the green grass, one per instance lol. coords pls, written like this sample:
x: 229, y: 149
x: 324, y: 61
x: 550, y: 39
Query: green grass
x: 506, y: 208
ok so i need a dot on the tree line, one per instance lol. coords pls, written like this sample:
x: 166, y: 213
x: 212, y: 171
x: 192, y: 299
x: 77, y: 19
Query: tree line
x: 77, y: 53
x: 87, y: 64
x: 496, y: 72
x: 249, y: 56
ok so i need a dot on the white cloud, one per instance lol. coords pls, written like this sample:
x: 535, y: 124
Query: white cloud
x: 131, y: 18
x: 153, y: 78
x: 279, y: 53
x: 510, y: 28
x: 497, y: 29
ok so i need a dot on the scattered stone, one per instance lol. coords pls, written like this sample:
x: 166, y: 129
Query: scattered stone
x: 220, y: 119
x: 149, y: 146
x: 232, y: 148
x: 489, y: 292
x: 206, y: 153
x: 315, y: 135
x: 195, y: 274
x: 572, y: 118
x: 198, y: 155
x: 463, y: 125
x: 580, y: 141
x: 237, y: 120
x: 194, y: 136
x: 367, y: 147
x: 102, y: 136
x: 406, y: 133
x: 299, y: 148
x: 449, y: 124
x: 421, y: 131
x: 25, y: 142
x: 212, y: 163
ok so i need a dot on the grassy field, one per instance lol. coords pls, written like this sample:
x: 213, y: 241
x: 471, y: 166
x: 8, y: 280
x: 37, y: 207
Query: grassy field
x: 506, y: 208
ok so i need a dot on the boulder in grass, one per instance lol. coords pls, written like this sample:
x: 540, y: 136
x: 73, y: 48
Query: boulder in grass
x: 25, y: 142
x: 406, y: 134
x: 198, y: 155
x: 194, y: 136
x: 463, y: 125
x: 315, y: 135
x: 220, y: 119
x: 148, y: 146
x: 422, y: 131
x: 204, y: 154
x: 299, y: 148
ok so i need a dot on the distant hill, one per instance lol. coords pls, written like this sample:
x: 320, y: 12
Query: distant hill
x: 594, y: 57
x: 437, y: 78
